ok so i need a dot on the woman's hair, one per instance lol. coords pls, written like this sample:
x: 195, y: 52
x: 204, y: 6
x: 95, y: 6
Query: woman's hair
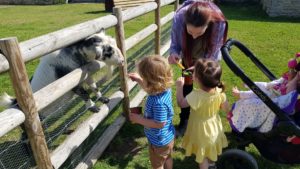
x: 209, y: 73
x: 200, y: 14
x: 156, y: 73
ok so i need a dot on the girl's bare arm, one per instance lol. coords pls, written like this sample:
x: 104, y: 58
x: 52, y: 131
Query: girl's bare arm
x: 181, y: 100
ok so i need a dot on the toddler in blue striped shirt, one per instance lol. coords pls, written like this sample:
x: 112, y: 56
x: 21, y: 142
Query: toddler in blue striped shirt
x: 156, y: 78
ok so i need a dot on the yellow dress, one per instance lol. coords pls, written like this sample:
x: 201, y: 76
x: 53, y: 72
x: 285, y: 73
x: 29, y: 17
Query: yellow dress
x: 204, y: 135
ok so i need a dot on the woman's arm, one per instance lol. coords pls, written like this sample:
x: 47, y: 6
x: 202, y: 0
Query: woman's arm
x: 176, y: 32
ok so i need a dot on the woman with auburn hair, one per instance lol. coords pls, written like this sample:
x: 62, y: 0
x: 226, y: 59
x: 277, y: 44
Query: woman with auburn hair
x: 199, y: 30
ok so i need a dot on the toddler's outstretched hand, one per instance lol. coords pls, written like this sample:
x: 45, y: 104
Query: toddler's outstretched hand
x: 180, y: 82
x: 236, y: 92
x: 135, y: 77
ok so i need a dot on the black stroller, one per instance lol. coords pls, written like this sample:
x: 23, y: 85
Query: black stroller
x: 272, y: 145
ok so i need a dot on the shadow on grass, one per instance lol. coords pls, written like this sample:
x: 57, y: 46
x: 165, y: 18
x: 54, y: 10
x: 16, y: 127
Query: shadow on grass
x: 97, y: 12
x: 125, y: 147
x: 187, y: 162
x: 253, y: 151
x: 264, y: 163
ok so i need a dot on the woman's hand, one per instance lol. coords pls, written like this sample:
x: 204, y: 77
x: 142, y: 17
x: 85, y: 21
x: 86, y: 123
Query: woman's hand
x: 173, y: 58
x: 179, y: 82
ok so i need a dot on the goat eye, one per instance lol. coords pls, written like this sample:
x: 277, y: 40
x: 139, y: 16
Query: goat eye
x: 97, y: 40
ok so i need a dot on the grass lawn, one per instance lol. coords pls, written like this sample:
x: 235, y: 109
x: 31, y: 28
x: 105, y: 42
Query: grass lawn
x: 273, y: 40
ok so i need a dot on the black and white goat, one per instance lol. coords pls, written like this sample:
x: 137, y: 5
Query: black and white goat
x: 98, y: 47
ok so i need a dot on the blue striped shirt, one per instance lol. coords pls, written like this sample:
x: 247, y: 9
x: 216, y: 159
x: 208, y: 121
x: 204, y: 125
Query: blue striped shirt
x: 160, y: 109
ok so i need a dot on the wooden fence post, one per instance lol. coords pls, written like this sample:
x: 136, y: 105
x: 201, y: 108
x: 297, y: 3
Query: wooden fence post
x: 10, y: 49
x: 119, y: 32
x: 176, y: 5
x: 157, y: 32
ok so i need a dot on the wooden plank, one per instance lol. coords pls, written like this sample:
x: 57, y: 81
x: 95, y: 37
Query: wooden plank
x: 58, y: 88
x: 165, y: 48
x: 102, y: 143
x: 64, y: 150
x: 165, y: 2
x: 96, y: 151
x: 33, y: 127
x: 176, y: 5
x: 129, y: 3
x: 141, y: 35
x: 133, y: 1
x: 125, y: 4
x: 10, y: 119
x: 138, y: 11
x: 120, y: 37
x: 167, y: 18
x: 157, y: 32
x: 39, y: 46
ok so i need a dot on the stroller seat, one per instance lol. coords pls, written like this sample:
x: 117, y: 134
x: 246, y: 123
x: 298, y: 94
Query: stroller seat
x: 271, y: 145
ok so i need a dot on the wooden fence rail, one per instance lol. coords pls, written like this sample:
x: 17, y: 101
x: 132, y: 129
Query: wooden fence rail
x: 34, y: 130
x: 10, y: 119
x: 36, y: 47
x: 32, y: 49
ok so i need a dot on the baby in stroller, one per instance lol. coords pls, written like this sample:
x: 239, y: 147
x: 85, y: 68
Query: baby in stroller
x: 272, y: 139
x: 251, y: 112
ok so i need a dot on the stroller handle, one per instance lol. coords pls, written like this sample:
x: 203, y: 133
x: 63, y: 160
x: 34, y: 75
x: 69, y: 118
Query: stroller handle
x: 239, y: 72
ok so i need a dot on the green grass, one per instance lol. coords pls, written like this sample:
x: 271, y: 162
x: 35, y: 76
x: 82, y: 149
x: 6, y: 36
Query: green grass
x: 273, y: 40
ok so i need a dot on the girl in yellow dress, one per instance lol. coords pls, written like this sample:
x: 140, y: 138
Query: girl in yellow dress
x: 204, y: 136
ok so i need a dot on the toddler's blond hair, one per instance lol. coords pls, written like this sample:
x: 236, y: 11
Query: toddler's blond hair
x: 156, y: 73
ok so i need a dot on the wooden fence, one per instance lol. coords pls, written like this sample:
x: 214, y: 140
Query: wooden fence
x: 30, y: 103
x: 124, y: 4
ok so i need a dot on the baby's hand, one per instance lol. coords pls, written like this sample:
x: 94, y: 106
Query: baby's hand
x: 236, y: 92
x: 289, y: 139
x: 180, y: 82
x: 134, y: 77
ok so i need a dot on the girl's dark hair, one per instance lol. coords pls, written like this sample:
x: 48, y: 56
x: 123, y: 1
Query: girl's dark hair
x: 200, y: 14
x: 209, y: 73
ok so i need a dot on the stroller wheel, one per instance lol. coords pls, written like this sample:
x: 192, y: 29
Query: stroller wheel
x: 236, y: 159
